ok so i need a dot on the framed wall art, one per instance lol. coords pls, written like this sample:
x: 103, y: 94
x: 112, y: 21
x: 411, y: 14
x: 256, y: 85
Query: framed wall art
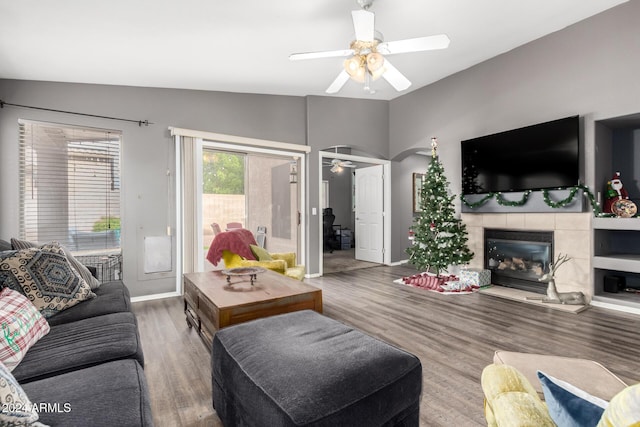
x: 418, y: 179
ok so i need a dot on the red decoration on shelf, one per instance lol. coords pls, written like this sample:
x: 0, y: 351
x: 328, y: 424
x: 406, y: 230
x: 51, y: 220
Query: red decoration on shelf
x: 615, y: 192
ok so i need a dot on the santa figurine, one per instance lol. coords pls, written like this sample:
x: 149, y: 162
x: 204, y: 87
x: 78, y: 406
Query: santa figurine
x: 615, y: 192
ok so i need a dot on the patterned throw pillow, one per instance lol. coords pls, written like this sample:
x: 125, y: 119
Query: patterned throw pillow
x: 15, y: 407
x: 45, y: 277
x: 22, y: 326
x: 80, y: 268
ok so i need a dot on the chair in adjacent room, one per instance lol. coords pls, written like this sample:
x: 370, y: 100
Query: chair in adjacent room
x: 216, y: 228
x: 328, y: 234
x: 233, y: 225
x: 261, y: 236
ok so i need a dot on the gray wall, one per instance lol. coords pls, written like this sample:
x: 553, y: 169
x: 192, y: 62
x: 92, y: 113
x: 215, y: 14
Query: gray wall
x: 402, y: 201
x: 590, y: 69
x: 360, y: 124
x: 147, y: 151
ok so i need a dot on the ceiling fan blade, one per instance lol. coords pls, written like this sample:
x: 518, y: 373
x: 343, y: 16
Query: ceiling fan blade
x: 395, y: 77
x: 418, y: 44
x: 338, y: 82
x: 323, y: 54
x: 363, y: 23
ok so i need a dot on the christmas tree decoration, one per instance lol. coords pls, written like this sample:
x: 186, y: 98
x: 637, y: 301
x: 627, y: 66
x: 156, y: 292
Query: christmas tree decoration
x: 440, y: 239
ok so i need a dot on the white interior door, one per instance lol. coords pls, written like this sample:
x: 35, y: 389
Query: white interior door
x: 369, y: 214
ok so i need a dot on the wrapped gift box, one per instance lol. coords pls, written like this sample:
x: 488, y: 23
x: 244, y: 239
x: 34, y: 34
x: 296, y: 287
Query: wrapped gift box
x: 476, y: 276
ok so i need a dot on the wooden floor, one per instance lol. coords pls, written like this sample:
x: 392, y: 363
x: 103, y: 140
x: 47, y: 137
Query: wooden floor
x: 453, y: 335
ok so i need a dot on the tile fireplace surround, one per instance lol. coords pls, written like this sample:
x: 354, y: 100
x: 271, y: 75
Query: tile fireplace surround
x: 572, y: 236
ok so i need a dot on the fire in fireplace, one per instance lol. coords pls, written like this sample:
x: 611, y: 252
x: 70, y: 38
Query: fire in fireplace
x: 518, y: 258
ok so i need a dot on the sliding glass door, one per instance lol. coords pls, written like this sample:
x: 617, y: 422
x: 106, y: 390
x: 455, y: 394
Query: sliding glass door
x: 253, y: 189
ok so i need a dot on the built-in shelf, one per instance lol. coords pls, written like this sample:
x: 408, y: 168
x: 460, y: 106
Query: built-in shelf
x: 629, y: 303
x: 616, y: 241
x: 618, y: 262
x: 616, y: 224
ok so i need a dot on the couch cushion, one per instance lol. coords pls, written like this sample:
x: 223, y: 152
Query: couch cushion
x: 45, y: 276
x: 81, y: 269
x: 22, y: 327
x: 16, y: 406
x: 80, y: 344
x: 303, y: 368
x: 109, y: 394
x: 111, y: 297
x: 587, y: 375
x: 5, y: 246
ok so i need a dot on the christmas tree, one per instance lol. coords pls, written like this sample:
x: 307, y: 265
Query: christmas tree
x: 440, y: 239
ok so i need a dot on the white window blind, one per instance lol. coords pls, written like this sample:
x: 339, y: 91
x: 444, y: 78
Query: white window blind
x: 70, y: 186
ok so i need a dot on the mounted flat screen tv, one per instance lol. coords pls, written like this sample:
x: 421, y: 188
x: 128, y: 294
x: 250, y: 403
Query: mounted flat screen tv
x: 542, y: 156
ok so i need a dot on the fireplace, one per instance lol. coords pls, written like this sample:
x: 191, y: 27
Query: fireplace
x: 518, y: 258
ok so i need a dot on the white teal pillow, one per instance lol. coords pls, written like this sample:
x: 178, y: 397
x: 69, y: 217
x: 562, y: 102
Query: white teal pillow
x: 568, y: 405
x: 15, y: 407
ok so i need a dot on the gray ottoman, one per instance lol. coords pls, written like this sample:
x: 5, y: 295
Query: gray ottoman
x: 304, y: 369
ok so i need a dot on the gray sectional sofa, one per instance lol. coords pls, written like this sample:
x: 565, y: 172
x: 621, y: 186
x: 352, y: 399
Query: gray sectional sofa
x: 88, y: 370
x: 89, y: 367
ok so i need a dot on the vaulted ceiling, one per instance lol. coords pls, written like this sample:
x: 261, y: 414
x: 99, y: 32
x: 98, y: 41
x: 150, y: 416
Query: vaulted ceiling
x: 243, y: 45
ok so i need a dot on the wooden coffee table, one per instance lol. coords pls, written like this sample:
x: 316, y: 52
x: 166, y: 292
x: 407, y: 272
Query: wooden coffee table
x: 211, y: 303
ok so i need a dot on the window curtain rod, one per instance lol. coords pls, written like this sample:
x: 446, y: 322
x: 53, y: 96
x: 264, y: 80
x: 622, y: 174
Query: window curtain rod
x: 139, y: 122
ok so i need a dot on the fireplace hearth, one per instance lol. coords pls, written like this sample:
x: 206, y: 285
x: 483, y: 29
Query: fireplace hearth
x: 517, y: 258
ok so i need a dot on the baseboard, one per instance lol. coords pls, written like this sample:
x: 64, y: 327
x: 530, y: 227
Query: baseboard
x: 617, y: 307
x: 312, y: 275
x: 396, y: 263
x: 155, y: 296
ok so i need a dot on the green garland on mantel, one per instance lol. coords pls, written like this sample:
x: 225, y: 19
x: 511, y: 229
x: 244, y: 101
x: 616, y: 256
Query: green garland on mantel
x: 595, y: 207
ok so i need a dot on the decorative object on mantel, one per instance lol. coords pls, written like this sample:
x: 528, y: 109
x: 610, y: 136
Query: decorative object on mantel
x: 553, y: 296
x: 617, y: 201
x: 546, y: 193
x: 440, y: 239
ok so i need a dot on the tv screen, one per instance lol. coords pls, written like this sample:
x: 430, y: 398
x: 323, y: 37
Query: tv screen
x: 537, y: 157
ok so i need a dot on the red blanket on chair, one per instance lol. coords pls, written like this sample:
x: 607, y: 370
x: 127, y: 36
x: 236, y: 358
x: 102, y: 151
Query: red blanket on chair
x: 236, y: 241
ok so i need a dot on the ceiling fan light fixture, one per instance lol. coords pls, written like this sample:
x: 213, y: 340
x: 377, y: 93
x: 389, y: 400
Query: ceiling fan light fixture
x: 335, y: 168
x: 354, y: 66
x: 375, y: 61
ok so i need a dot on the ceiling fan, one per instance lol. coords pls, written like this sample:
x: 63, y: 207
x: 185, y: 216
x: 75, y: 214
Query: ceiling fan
x: 337, y: 165
x: 367, y: 53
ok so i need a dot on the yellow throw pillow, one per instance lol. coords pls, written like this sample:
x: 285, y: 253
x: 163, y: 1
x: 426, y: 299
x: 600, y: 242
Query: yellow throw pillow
x: 260, y: 253
x: 623, y: 410
x: 510, y: 400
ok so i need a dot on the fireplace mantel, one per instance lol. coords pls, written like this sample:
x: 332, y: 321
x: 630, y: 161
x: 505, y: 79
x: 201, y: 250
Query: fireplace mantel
x: 572, y: 236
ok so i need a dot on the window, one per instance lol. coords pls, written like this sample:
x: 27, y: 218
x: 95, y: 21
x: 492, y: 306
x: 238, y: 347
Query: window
x: 70, y: 186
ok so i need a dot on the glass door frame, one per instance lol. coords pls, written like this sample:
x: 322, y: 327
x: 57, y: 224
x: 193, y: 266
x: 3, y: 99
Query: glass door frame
x: 239, y: 148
